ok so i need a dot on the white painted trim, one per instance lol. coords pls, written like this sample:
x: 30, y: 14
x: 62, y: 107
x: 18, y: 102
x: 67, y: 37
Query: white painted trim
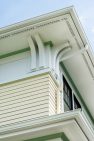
x: 33, y: 53
x: 59, y: 58
x: 27, y: 25
x: 50, y: 122
x: 80, y: 51
x: 41, y: 50
x: 20, y: 25
x: 48, y: 56
x: 56, y: 50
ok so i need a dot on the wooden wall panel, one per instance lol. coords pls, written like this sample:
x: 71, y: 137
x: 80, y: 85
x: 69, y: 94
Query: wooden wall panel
x: 27, y: 99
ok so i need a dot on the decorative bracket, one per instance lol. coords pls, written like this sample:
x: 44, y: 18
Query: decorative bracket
x: 41, y: 50
x: 33, y: 54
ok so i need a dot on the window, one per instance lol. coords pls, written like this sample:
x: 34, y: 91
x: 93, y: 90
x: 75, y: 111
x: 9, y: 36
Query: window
x: 70, y: 100
x: 67, y: 95
x: 76, y: 103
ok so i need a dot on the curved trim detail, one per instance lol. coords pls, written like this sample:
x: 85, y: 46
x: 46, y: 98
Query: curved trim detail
x: 60, y: 56
x: 33, y: 56
x: 41, y: 50
x: 56, y: 50
x: 58, y: 53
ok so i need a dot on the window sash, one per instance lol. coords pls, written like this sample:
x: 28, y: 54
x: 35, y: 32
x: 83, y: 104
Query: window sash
x: 69, y: 97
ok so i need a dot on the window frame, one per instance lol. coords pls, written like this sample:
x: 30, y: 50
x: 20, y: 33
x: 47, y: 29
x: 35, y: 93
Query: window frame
x: 67, y: 91
x: 73, y: 96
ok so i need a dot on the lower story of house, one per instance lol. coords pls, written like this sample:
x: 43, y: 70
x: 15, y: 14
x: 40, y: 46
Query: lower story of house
x: 38, y: 107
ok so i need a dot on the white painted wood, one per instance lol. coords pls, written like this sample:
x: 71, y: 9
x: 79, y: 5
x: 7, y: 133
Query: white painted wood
x: 55, y: 51
x: 14, y: 67
x: 41, y: 49
x: 59, y: 57
x: 48, y: 56
x: 33, y: 54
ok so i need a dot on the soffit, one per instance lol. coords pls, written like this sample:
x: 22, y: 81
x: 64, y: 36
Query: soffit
x: 56, y: 29
x: 82, y: 79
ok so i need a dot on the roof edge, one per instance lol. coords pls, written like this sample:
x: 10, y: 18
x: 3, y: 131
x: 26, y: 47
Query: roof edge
x: 37, y: 19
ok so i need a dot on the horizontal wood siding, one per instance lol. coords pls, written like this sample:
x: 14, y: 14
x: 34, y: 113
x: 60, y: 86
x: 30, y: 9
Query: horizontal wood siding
x: 52, y: 97
x: 27, y: 99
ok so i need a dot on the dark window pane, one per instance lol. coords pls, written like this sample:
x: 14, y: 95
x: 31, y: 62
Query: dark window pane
x: 76, y: 103
x: 67, y: 94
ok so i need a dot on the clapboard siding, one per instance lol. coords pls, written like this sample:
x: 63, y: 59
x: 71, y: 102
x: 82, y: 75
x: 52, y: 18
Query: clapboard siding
x: 22, y: 87
x: 52, y: 97
x: 26, y: 92
x: 23, y: 119
x: 11, y: 99
x: 27, y: 99
x: 22, y: 112
x: 19, y: 106
x: 20, y: 83
x: 23, y: 102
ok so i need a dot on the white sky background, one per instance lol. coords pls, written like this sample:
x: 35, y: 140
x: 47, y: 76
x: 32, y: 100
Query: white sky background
x: 13, y: 11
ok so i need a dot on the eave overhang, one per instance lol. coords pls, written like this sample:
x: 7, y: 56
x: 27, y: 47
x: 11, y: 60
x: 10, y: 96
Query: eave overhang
x: 27, y: 26
x: 68, y: 15
x: 73, y: 124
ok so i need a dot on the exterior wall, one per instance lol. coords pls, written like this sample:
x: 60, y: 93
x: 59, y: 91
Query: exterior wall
x: 27, y: 99
x: 12, y: 67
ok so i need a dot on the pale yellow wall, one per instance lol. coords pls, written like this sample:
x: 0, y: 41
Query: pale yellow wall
x: 27, y: 99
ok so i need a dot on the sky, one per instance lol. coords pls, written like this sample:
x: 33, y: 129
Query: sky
x: 13, y: 11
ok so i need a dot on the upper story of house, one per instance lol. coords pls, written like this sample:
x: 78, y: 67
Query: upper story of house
x: 46, y: 68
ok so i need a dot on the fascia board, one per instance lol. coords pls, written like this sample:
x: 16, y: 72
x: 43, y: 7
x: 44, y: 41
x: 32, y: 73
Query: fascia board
x: 35, y: 20
x: 45, y: 121
x: 69, y: 10
x: 86, y: 125
x: 81, y: 32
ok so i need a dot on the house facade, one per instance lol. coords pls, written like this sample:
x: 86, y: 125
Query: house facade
x: 46, y: 80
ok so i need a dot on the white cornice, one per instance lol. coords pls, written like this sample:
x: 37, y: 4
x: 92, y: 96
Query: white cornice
x: 47, y: 19
x: 35, y: 20
x: 26, y: 28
